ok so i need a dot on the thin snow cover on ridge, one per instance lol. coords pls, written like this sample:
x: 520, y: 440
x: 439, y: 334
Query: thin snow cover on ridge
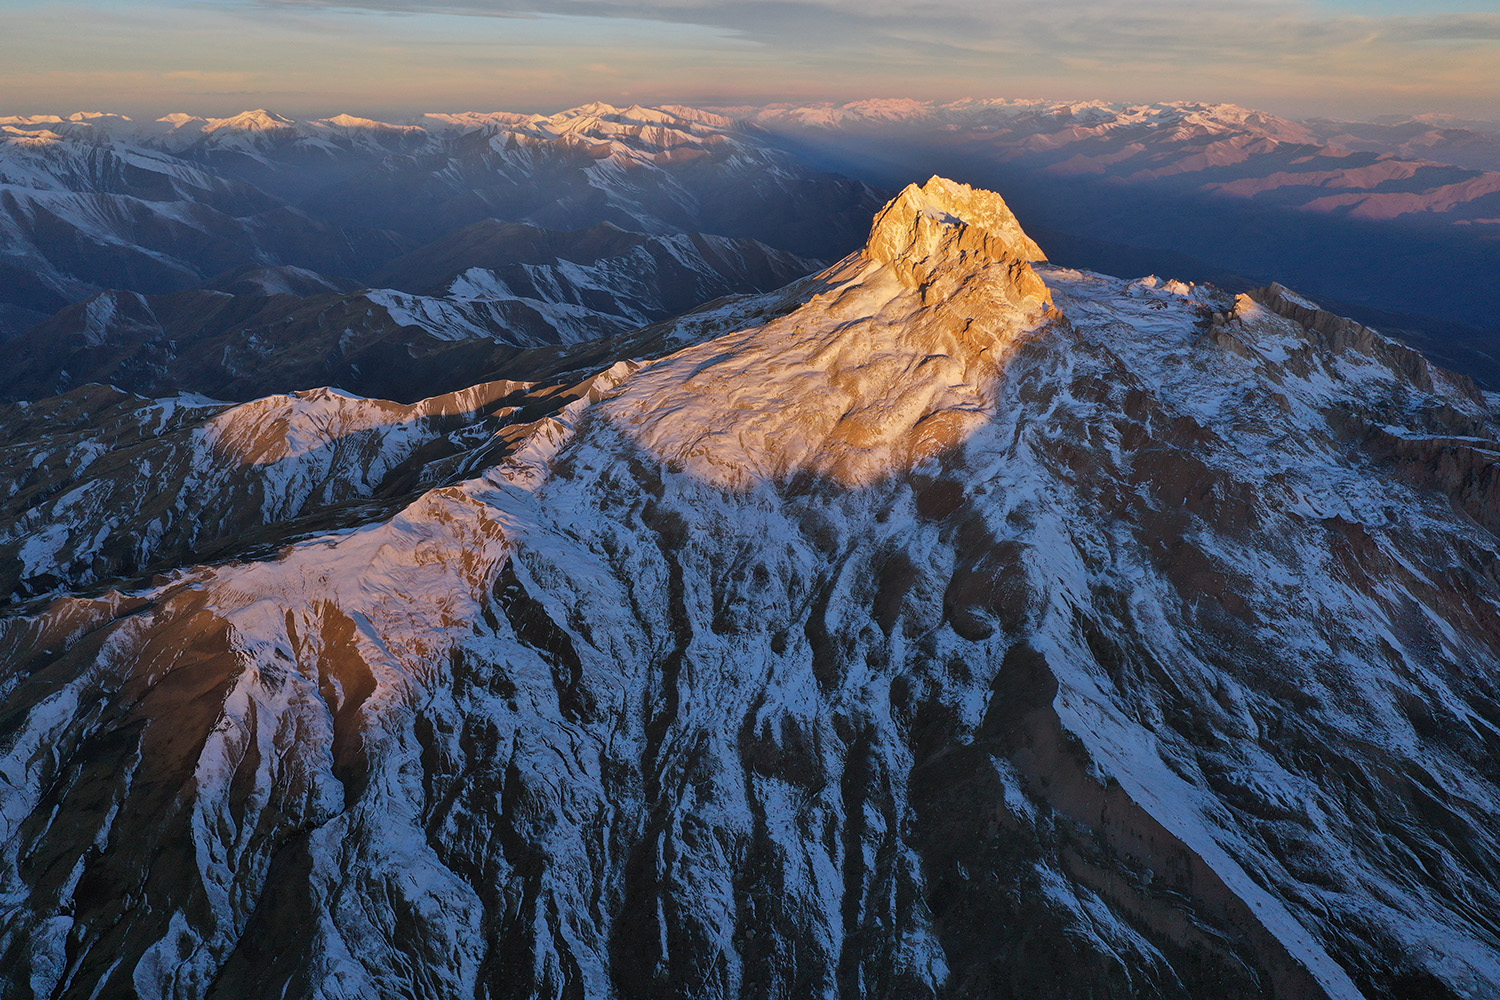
x: 348, y: 121
x: 1088, y: 115
x: 27, y: 138
x: 463, y: 120
x: 889, y: 367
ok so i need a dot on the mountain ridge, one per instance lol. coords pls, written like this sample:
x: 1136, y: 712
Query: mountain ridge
x: 94, y: 205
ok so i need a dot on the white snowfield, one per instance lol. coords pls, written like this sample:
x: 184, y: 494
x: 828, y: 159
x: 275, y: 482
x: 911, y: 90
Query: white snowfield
x: 979, y: 625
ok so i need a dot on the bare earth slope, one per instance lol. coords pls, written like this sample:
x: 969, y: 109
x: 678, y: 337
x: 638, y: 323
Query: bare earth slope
x: 978, y: 628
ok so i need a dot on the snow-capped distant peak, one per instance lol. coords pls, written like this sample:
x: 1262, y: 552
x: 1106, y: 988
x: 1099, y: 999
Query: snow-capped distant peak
x: 474, y: 119
x: 31, y: 120
x: 889, y: 108
x: 29, y: 137
x: 596, y: 109
x: 259, y: 120
x: 681, y: 113
x: 347, y: 121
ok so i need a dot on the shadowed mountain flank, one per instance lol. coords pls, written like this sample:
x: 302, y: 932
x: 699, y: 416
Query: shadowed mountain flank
x: 474, y: 302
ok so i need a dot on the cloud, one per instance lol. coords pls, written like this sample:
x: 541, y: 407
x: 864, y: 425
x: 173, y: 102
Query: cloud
x: 1151, y: 33
x: 214, y: 78
x: 1289, y: 56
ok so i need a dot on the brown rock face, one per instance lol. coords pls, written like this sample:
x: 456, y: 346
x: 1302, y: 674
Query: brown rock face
x: 919, y: 220
x: 959, y: 246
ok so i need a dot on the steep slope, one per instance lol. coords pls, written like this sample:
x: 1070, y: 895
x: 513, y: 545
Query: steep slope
x: 979, y: 628
x: 492, y: 291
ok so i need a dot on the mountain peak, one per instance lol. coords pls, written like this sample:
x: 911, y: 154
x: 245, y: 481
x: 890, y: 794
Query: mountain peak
x: 942, y: 232
x: 354, y: 122
x: 350, y: 121
x: 89, y: 116
x: 594, y: 109
x: 891, y: 364
x: 920, y: 220
x: 259, y: 120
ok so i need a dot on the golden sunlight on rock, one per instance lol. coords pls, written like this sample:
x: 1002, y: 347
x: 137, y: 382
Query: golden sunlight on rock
x: 891, y: 366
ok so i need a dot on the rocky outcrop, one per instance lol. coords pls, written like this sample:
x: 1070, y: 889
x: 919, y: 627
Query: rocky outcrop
x: 910, y: 229
x: 1337, y: 333
x: 892, y: 366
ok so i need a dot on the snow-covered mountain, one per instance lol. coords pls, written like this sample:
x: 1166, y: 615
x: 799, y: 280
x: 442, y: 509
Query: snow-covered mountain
x: 650, y: 170
x: 291, y: 159
x: 1461, y: 142
x: 1213, y: 148
x: 954, y: 624
x: 1209, y: 143
x: 98, y: 203
x: 81, y: 211
x: 654, y: 170
x: 463, y: 306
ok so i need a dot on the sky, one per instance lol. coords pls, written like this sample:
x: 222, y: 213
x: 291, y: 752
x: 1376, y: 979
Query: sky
x: 388, y: 58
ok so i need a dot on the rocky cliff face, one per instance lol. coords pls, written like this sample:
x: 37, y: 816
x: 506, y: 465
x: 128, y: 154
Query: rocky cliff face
x: 976, y: 628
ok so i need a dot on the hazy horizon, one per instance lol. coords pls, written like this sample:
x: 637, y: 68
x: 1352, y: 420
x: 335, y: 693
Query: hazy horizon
x: 719, y: 105
x: 389, y: 58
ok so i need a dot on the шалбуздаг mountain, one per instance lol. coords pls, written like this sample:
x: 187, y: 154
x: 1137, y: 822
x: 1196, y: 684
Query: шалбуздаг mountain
x: 951, y: 624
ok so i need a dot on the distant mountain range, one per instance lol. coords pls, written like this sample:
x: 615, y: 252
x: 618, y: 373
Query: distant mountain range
x: 1397, y: 222
x: 246, y: 255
